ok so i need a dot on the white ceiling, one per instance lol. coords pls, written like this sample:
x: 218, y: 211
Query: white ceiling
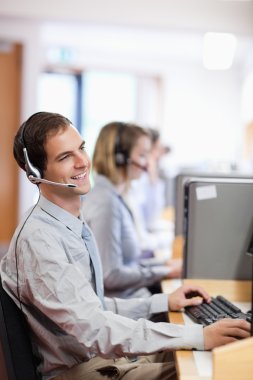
x: 160, y: 30
x: 196, y: 15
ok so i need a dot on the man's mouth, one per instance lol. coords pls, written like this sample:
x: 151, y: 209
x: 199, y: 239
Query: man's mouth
x: 79, y: 176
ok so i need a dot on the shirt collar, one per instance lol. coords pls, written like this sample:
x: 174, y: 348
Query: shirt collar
x: 105, y: 182
x: 70, y: 221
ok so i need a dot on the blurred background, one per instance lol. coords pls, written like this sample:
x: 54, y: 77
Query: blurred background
x: 184, y: 67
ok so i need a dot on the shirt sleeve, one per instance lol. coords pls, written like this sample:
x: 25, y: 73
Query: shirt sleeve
x: 136, y: 308
x: 64, y: 295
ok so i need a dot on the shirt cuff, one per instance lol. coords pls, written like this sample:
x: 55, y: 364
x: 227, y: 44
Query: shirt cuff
x: 194, y: 337
x: 159, y: 303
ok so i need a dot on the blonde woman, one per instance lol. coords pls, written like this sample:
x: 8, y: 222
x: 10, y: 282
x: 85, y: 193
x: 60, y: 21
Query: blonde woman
x: 120, y: 156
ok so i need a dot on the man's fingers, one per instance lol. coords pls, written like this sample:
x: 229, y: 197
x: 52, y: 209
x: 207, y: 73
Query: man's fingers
x: 238, y: 333
x: 193, y: 301
x: 236, y: 323
x: 197, y: 291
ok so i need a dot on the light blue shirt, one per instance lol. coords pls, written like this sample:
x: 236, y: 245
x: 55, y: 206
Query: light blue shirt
x: 66, y: 317
x: 111, y: 222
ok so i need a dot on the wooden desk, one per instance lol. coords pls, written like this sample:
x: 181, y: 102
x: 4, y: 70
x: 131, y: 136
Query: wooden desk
x: 222, y: 368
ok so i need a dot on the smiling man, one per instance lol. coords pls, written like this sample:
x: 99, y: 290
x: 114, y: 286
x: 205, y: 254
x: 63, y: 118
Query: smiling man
x: 52, y: 272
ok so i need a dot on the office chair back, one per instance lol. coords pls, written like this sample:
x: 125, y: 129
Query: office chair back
x: 17, y: 360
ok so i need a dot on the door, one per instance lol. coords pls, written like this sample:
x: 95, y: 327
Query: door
x: 10, y: 84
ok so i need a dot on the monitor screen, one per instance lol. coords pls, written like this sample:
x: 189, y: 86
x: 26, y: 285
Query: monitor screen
x: 218, y: 227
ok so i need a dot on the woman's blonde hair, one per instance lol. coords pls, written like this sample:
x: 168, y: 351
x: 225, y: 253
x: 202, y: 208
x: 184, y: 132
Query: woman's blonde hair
x: 114, y: 137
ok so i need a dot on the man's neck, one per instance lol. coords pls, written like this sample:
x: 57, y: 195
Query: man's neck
x: 72, y: 204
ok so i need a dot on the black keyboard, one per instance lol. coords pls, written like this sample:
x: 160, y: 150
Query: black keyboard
x: 219, y: 308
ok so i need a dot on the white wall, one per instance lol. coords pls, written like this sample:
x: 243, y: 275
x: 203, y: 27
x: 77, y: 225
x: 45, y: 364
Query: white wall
x: 201, y: 115
x: 233, y: 16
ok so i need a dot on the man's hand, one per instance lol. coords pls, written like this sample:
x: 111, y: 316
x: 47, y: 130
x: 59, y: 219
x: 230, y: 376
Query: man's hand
x: 187, y: 295
x: 225, y: 331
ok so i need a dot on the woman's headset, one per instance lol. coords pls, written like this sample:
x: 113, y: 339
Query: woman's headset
x: 121, y: 155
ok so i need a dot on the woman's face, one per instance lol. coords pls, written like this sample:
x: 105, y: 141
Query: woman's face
x: 139, y: 157
x: 157, y: 150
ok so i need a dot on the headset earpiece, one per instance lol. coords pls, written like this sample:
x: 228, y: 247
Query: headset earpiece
x: 31, y: 170
x: 121, y: 155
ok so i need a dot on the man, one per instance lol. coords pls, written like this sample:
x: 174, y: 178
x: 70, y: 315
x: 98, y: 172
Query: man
x: 51, y: 272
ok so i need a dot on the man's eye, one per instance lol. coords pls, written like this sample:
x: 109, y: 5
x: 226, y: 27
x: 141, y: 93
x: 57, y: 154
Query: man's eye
x: 64, y: 157
x: 83, y: 147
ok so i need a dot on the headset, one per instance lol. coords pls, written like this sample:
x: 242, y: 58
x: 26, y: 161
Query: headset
x: 121, y: 155
x: 16, y: 256
x: 34, y: 174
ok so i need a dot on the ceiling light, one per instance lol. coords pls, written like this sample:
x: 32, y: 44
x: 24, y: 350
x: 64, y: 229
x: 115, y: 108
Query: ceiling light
x: 218, y: 51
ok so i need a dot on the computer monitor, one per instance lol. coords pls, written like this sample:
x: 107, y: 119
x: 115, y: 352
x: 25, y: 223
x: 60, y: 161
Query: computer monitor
x: 180, y: 181
x: 250, y: 253
x: 218, y: 227
x: 250, y: 247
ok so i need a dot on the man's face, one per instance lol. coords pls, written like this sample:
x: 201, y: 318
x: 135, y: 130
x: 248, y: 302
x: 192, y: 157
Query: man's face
x: 67, y: 162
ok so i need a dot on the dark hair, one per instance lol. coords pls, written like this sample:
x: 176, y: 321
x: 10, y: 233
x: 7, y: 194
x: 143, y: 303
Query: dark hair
x: 33, y: 134
x: 154, y: 135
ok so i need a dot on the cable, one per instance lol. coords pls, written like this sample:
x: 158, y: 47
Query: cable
x: 16, y: 256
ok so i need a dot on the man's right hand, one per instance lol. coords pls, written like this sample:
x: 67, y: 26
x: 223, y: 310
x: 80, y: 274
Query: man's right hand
x: 225, y: 331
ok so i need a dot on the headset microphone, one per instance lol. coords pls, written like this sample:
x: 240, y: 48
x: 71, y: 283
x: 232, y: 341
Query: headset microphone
x: 34, y: 175
x: 142, y: 167
x: 42, y: 180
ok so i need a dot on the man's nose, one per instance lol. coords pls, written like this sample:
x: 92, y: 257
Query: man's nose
x: 81, y: 160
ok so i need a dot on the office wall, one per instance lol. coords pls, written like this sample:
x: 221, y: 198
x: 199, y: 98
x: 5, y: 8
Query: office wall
x: 221, y: 16
x: 26, y: 34
x: 203, y: 115
x: 200, y: 109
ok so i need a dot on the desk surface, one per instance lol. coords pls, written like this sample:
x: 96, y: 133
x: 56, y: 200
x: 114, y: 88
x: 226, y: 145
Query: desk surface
x: 193, y: 365
x: 186, y: 363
